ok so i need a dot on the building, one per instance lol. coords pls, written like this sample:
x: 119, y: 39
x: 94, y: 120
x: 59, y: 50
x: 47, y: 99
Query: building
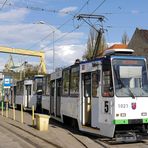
x: 139, y: 42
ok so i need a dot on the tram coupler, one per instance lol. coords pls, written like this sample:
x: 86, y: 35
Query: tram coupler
x: 128, y: 137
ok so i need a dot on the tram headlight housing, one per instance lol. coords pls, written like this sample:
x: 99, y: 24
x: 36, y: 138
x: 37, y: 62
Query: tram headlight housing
x: 143, y: 114
x: 123, y: 114
x: 117, y: 115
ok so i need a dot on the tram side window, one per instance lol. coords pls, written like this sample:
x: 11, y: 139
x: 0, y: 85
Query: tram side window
x: 20, y: 88
x: 28, y: 87
x: 66, y: 74
x: 38, y: 84
x: 52, y: 86
x: 48, y: 86
x: 34, y: 86
x: 74, y: 81
x: 107, y: 88
x: 44, y: 86
x: 95, y: 83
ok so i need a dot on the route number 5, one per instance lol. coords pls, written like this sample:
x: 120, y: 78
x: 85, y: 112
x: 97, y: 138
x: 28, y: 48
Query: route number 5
x: 106, y: 106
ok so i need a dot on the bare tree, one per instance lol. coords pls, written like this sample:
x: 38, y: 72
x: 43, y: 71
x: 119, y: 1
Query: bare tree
x: 125, y: 38
x: 91, y: 45
x: 103, y: 45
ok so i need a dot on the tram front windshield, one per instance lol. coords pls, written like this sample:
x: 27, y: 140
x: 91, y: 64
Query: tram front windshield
x: 130, y: 77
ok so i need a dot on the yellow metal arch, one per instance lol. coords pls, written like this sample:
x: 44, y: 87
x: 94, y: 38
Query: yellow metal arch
x: 39, y: 54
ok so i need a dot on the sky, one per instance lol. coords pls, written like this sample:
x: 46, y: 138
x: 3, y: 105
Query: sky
x: 51, y: 26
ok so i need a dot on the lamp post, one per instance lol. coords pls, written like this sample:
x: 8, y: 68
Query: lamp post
x: 53, y: 37
x: 53, y: 52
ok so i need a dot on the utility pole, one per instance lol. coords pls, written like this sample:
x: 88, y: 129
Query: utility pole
x: 53, y: 52
x: 100, y: 31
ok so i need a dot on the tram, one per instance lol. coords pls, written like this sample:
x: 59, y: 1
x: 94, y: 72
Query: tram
x: 106, y: 96
x: 28, y: 92
x: 23, y: 93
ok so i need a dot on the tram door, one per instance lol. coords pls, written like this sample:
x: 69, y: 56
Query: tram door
x: 58, y: 97
x: 86, y: 77
x: 28, y: 94
x: 13, y: 94
x: 52, y: 90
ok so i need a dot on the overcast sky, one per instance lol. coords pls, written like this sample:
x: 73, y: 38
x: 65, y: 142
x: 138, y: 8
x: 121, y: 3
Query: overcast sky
x: 20, y: 27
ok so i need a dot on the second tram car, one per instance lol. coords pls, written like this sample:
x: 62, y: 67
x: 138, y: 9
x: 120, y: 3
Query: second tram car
x: 28, y: 92
x: 23, y: 93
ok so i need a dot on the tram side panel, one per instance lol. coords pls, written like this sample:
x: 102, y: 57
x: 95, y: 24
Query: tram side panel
x: 33, y: 101
x: 70, y: 92
x: 19, y: 93
x: 19, y: 99
x: 106, y: 101
x: 96, y: 89
x: 45, y: 102
x: 95, y: 112
x: 69, y: 106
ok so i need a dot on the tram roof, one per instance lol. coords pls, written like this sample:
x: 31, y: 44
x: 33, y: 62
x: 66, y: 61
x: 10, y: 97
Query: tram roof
x: 118, y: 51
x: 114, y: 56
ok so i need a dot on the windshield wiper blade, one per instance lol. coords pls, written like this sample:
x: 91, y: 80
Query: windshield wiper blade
x: 130, y: 91
x: 123, y: 85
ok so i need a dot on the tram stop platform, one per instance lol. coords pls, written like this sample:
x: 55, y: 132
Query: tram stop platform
x: 57, y: 134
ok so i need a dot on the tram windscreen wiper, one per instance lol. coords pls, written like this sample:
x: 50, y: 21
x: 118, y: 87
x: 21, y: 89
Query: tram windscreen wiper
x: 123, y: 85
x: 131, y: 93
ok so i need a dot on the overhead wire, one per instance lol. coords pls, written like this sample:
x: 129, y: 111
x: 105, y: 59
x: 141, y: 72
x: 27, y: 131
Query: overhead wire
x: 3, y: 4
x: 34, y: 8
x: 89, y: 22
x: 125, y: 12
x: 61, y: 37
x: 44, y: 38
x: 77, y: 26
x: 66, y: 33
x: 86, y: 3
x: 98, y: 7
x: 58, y: 11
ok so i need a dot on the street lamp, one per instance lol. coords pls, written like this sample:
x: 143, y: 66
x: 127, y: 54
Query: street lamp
x: 53, y: 37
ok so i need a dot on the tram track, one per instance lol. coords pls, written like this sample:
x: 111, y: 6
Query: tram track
x: 98, y: 142
x: 107, y: 143
x: 36, y: 145
x: 19, y: 132
x: 57, y: 146
x: 81, y: 138
x: 76, y: 134
x: 27, y: 138
x: 20, y: 136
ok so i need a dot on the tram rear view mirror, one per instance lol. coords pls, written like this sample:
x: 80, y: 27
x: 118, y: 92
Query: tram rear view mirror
x: 130, y: 71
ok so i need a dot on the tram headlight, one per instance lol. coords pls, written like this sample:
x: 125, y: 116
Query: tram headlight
x: 117, y: 115
x: 143, y: 114
x: 123, y: 114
